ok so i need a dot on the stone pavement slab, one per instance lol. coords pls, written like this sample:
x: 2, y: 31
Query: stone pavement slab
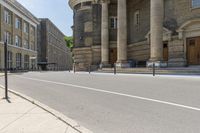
x: 20, y: 116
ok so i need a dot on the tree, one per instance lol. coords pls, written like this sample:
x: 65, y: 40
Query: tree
x: 69, y: 42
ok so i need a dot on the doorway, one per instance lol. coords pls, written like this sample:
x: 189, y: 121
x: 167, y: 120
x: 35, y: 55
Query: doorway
x: 112, y: 56
x: 165, y: 51
x: 193, y: 51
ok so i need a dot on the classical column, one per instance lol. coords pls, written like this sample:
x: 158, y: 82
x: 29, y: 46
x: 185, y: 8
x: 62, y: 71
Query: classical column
x: 122, y: 34
x: 157, y: 15
x: 104, y: 34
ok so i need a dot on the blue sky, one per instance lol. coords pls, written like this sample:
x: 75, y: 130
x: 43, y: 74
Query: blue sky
x: 57, y: 11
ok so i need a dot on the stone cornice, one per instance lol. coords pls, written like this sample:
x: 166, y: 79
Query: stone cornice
x: 105, y: 1
x: 73, y: 3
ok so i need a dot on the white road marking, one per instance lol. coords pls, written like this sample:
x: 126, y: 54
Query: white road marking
x: 115, y: 93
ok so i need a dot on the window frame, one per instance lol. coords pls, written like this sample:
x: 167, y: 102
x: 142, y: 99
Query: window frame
x: 26, y: 61
x: 115, y: 20
x: 191, y: 5
x: 7, y: 16
x: 8, y: 37
x: 18, y: 41
x: 18, y: 60
x: 26, y: 28
x: 18, y: 23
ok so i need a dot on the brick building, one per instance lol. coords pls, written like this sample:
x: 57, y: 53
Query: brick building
x: 53, y: 53
x: 166, y: 32
x: 19, y: 27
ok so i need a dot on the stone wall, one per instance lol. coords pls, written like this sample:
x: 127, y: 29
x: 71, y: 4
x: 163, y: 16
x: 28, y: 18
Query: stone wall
x: 82, y: 58
x: 96, y: 55
x: 139, y: 51
x: 137, y: 34
x: 112, y: 13
x: 96, y: 17
x: 177, y: 55
x: 183, y: 11
x: 83, y: 28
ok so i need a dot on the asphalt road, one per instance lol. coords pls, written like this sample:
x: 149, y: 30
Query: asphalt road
x: 106, y: 103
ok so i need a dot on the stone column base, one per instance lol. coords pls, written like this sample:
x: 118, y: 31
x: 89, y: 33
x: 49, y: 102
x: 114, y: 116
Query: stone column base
x: 158, y: 64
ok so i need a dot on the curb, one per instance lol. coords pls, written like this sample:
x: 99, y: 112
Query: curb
x: 73, y: 124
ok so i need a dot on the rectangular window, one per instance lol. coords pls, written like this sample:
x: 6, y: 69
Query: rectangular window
x: 32, y: 45
x: 113, y: 22
x: 18, y: 60
x: 18, y: 41
x: 17, y: 23
x: 32, y: 31
x: 26, y: 44
x: 195, y: 3
x: 26, y: 61
x: 26, y: 27
x: 7, y: 37
x: 7, y: 16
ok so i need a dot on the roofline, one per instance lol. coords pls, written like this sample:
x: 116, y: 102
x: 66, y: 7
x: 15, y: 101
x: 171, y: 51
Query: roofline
x: 30, y: 16
x: 47, y: 19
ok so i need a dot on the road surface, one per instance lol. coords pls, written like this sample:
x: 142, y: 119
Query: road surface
x: 106, y: 103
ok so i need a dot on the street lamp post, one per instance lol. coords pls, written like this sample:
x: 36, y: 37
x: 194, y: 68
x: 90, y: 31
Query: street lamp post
x: 6, y: 69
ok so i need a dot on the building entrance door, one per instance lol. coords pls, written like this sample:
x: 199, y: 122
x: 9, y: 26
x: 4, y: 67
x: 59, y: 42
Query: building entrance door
x: 165, y: 51
x: 193, y: 51
x: 112, y: 56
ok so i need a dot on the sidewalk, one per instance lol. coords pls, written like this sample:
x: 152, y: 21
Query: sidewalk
x: 21, y: 116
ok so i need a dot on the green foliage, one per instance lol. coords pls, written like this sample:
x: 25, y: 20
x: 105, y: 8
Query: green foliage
x: 69, y: 42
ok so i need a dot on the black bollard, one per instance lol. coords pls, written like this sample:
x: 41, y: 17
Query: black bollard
x: 74, y: 68
x: 154, y: 71
x: 115, y: 70
x: 89, y: 69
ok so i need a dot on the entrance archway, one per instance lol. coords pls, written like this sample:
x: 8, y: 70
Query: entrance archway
x: 190, y: 33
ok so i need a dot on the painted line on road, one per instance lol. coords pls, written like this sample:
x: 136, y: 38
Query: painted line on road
x: 115, y: 93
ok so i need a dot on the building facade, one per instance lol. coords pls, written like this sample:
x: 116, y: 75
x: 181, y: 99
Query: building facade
x: 19, y: 28
x: 53, y: 53
x: 166, y: 32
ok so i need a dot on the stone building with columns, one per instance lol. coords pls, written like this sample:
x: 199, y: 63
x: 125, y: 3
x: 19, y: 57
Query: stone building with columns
x: 166, y: 32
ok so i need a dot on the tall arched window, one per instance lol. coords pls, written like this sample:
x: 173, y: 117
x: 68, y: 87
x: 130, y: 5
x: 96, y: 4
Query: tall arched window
x: 195, y: 3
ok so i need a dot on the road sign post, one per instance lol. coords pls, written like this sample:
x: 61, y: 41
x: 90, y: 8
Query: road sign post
x: 6, y: 69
